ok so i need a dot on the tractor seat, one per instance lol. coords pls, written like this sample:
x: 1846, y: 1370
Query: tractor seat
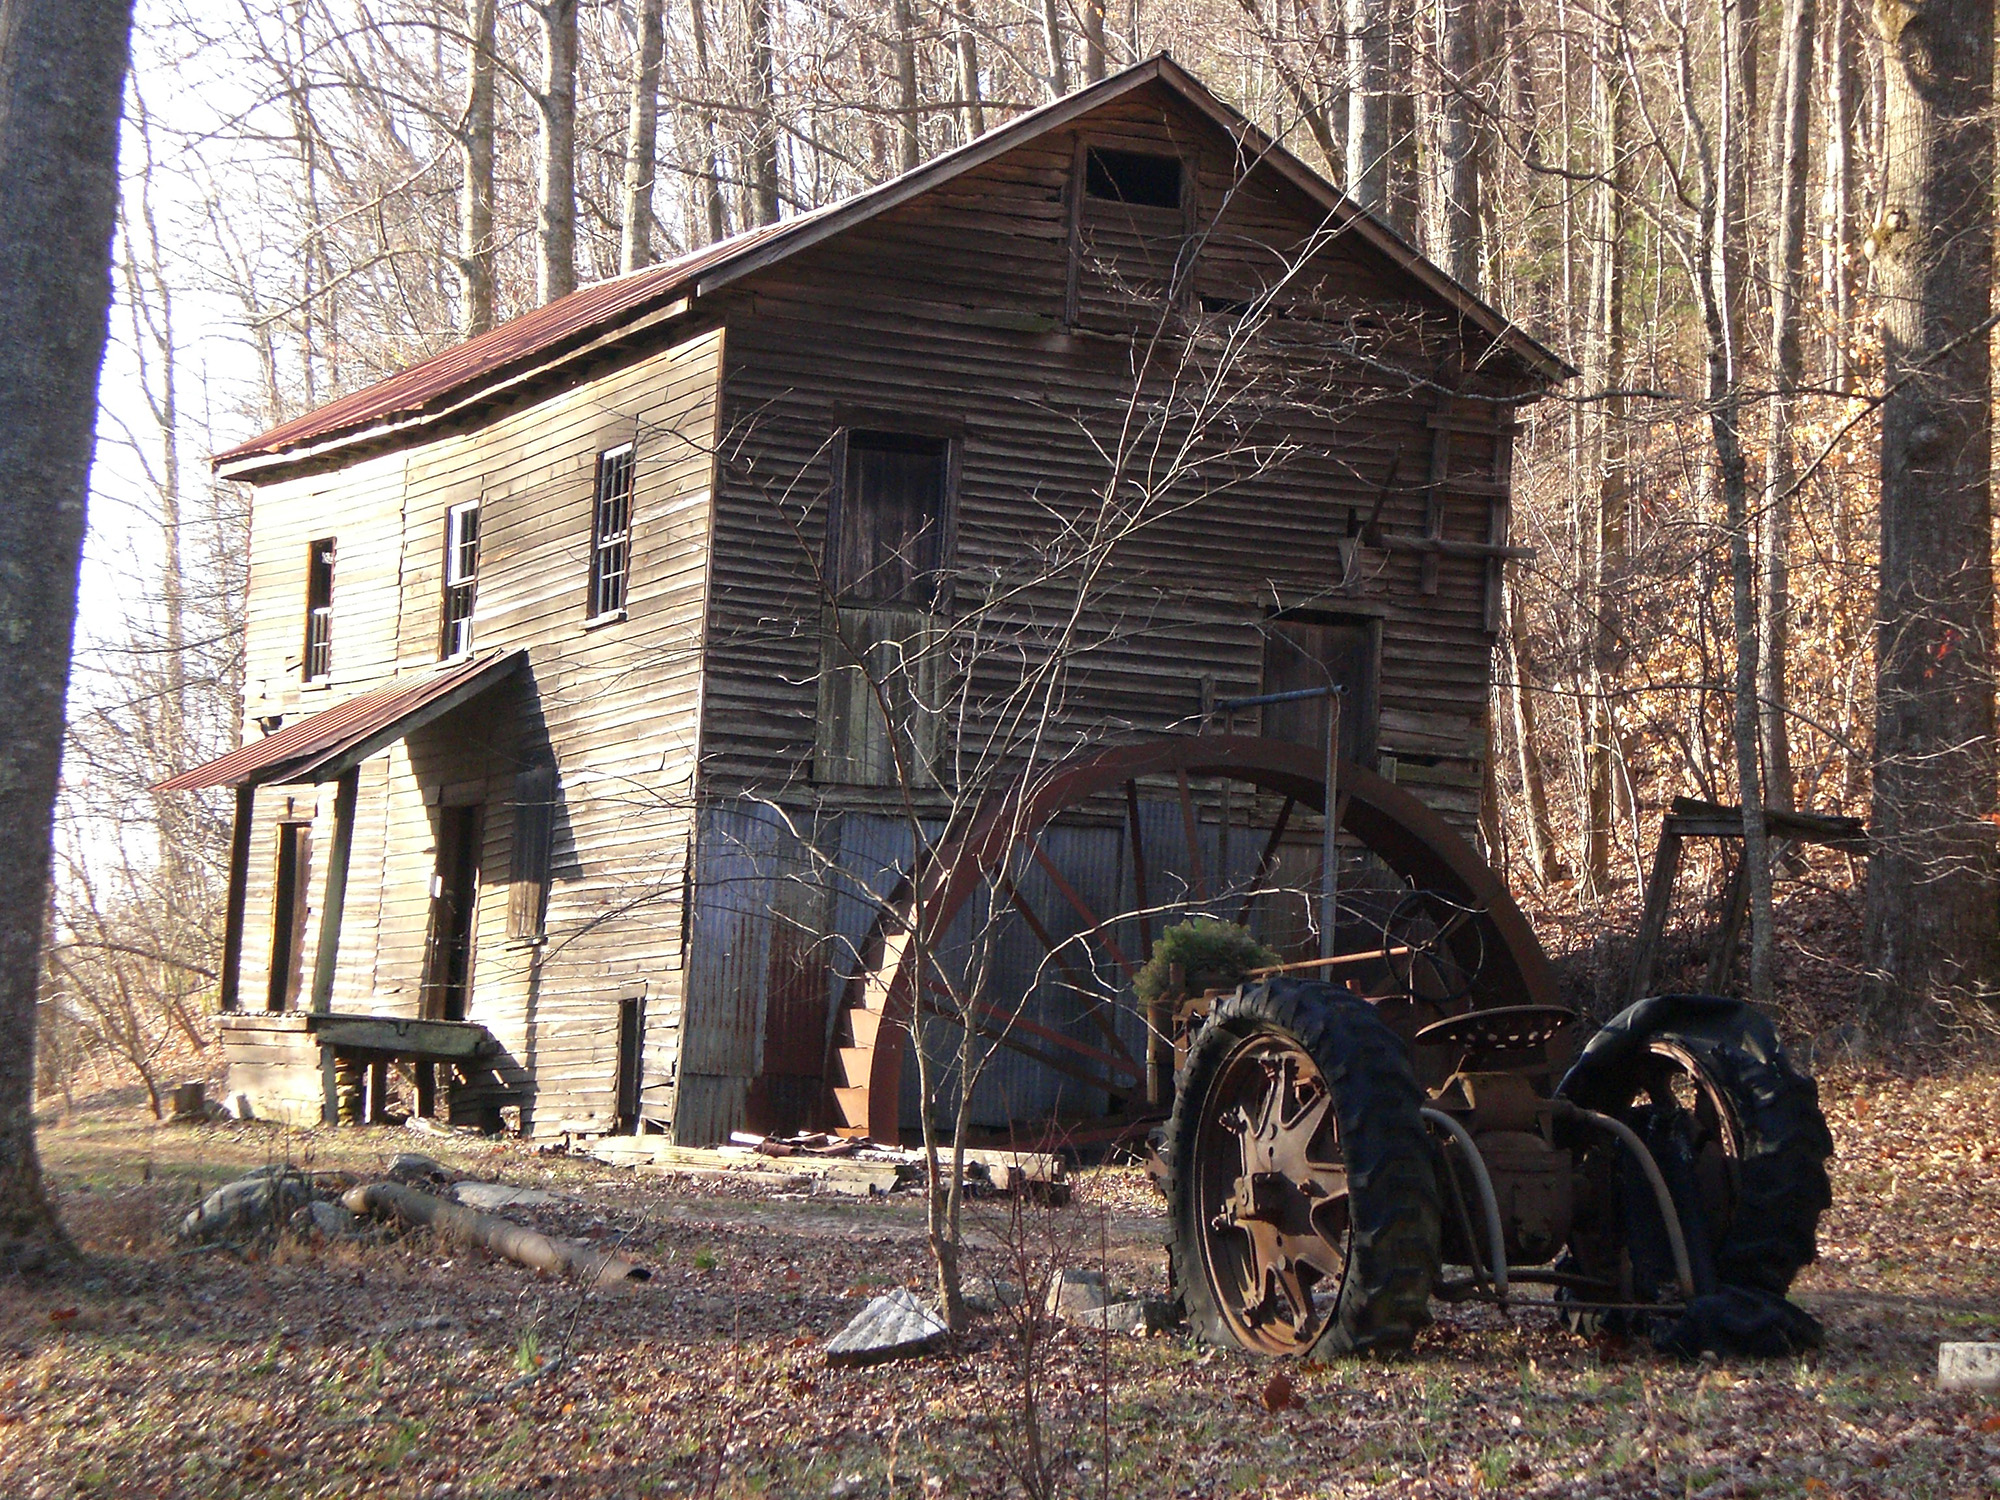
x: 1504, y: 1028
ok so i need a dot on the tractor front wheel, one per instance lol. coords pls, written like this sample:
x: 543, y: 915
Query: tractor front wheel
x: 1303, y: 1200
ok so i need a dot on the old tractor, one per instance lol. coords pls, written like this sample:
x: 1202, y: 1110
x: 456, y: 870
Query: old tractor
x: 1336, y: 1161
x: 1408, y: 1117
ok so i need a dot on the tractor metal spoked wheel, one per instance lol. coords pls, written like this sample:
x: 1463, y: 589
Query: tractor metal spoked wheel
x: 1301, y: 1194
x: 1272, y: 1194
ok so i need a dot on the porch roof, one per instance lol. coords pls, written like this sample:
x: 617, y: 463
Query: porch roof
x: 321, y: 746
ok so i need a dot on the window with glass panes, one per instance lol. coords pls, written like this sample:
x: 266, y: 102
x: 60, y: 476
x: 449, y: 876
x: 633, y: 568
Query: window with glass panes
x: 611, y: 532
x: 318, y: 660
x: 461, y: 577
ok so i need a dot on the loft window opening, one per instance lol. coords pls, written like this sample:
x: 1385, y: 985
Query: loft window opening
x: 1138, y: 179
x: 611, y: 532
x: 318, y: 658
x: 881, y: 668
x: 461, y: 577
x: 890, y: 519
x: 1304, y: 651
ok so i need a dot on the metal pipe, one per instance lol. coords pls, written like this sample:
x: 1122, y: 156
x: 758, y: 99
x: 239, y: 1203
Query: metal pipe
x: 1683, y: 1270
x: 1487, y: 1201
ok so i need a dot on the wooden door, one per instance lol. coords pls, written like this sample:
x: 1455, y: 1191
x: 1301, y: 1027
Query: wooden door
x: 291, y: 891
x: 454, y: 907
x: 1312, y: 653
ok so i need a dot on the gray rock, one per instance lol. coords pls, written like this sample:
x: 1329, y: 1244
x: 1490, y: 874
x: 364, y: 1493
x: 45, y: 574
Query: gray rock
x: 983, y: 1294
x: 1969, y: 1367
x: 1073, y: 1292
x: 334, y: 1221
x: 1137, y: 1316
x: 490, y: 1197
x: 250, y: 1205
x: 1114, y: 1317
x: 894, y: 1326
x: 413, y: 1169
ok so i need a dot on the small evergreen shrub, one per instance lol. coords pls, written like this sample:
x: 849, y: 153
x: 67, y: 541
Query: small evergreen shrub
x: 1212, y: 956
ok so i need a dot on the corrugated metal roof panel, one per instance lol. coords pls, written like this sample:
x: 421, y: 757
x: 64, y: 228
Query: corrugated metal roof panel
x: 314, y: 748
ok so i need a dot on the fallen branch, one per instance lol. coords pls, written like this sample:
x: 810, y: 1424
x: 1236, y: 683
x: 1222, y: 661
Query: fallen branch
x: 491, y: 1232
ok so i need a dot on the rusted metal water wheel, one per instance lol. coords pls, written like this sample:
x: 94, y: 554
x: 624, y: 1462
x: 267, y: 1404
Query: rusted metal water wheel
x: 1474, y: 917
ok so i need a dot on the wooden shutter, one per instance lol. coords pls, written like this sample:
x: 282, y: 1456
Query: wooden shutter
x: 534, y: 823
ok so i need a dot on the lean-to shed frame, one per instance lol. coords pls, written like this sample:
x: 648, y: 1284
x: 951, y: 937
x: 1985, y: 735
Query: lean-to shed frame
x: 676, y: 808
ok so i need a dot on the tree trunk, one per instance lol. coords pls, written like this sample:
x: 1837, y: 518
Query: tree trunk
x: 1093, y: 41
x: 1605, y: 530
x: 1404, y: 188
x: 475, y: 189
x: 764, y: 119
x: 711, y: 176
x: 1534, y: 786
x: 1774, y: 531
x: 1458, y: 56
x: 62, y: 79
x: 1052, y: 49
x: 1727, y: 254
x: 1368, y: 63
x: 1839, y: 249
x: 555, y: 199
x: 1932, y: 903
x: 909, y: 135
x: 635, y: 246
x: 967, y: 43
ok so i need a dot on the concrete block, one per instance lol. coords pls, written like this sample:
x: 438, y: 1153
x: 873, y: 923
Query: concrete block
x: 893, y: 1326
x: 1969, y: 1367
x: 1074, y: 1291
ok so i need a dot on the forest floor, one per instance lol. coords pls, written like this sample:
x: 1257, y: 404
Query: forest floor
x: 402, y: 1367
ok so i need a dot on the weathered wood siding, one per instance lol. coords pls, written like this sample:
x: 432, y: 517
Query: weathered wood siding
x: 947, y: 311
x: 1001, y: 309
x: 614, y: 707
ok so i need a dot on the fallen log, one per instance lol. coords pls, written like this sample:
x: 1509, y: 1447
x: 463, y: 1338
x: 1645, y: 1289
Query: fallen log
x: 491, y: 1232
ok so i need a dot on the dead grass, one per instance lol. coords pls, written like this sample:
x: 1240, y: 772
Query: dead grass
x: 385, y: 1369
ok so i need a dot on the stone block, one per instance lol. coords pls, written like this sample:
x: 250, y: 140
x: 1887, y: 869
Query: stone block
x: 1969, y: 1367
x: 893, y: 1326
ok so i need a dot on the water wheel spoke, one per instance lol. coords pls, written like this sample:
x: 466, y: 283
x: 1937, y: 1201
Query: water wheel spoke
x: 1139, y: 891
x: 1191, y: 825
x: 1093, y: 924
x: 1084, y: 986
x: 1267, y: 859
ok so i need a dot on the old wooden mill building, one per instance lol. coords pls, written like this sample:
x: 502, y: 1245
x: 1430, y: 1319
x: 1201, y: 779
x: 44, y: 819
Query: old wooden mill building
x: 605, y: 671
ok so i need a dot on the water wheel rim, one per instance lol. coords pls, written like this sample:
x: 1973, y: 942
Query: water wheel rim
x: 1272, y: 1196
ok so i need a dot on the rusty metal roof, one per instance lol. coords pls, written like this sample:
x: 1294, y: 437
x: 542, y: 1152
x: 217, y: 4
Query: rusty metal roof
x: 519, y: 341
x: 321, y: 746
x: 593, y: 311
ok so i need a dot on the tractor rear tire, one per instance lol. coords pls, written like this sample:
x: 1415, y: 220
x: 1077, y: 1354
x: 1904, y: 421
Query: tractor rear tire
x: 1773, y: 1143
x: 1297, y: 1029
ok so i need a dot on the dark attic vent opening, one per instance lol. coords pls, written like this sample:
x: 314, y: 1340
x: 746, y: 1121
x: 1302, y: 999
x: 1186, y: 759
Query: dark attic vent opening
x: 1135, y: 178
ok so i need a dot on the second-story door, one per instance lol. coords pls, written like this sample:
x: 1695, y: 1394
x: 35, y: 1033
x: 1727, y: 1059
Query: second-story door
x: 454, y: 908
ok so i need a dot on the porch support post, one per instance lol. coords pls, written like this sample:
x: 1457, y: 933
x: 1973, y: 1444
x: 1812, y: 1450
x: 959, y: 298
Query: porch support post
x: 239, y: 883
x: 337, y: 895
x: 336, y: 889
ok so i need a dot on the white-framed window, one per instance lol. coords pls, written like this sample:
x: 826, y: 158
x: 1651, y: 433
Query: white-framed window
x: 317, y: 664
x: 611, y: 532
x: 461, y: 577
